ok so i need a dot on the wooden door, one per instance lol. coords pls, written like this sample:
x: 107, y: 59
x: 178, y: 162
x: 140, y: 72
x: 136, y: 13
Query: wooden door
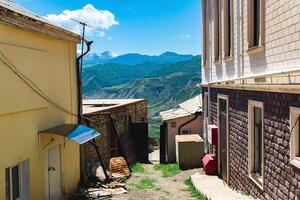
x: 53, y: 174
x: 223, y: 110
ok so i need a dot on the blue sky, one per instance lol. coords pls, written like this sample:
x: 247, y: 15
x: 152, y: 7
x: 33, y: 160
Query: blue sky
x: 130, y: 26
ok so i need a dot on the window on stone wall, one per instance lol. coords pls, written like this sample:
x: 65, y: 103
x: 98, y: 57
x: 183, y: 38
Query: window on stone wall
x: 256, y: 142
x: 255, y: 23
x: 217, y: 30
x: 295, y: 136
x: 228, y: 29
x: 204, y: 34
x: 17, y: 181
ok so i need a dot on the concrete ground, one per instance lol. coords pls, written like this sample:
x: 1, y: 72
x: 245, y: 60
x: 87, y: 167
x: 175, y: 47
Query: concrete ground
x: 215, y: 188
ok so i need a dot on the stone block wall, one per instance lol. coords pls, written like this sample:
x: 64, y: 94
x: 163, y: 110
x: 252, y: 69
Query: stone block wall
x: 121, y: 115
x: 281, y: 179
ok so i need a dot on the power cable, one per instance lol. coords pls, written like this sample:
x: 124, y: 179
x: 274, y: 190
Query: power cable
x: 34, y: 87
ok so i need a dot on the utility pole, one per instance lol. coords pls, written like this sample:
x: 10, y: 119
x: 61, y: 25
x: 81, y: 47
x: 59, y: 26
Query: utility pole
x: 83, y: 39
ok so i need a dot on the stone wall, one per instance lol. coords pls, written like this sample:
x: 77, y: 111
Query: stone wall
x: 121, y: 115
x: 281, y: 179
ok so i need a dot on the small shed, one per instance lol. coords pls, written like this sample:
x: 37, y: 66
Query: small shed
x: 182, y: 120
x: 189, y: 151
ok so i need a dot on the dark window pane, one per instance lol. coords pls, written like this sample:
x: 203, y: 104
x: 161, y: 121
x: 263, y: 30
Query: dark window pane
x: 256, y: 16
x: 229, y: 27
x: 15, y: 182
x: 257, y: 140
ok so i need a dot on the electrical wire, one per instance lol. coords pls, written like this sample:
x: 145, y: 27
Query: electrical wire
x: 35, y: 88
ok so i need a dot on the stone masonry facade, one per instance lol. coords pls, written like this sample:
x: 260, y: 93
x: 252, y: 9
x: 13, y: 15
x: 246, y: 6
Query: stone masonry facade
x: 281, y: 179
x: 121, y: 115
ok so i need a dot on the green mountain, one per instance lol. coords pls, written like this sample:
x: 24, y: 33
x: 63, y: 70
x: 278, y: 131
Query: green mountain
x: 163, y: 85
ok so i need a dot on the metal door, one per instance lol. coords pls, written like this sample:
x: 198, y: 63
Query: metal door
x: 223, y: 137
x: 139, y: 133
x: 53, y: 174
x: 162, y: 144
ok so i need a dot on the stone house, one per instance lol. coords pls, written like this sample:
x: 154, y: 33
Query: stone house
x: 183, y: 120
x: 38, y: 84
x: 116, y: 120
x: 250, y: 84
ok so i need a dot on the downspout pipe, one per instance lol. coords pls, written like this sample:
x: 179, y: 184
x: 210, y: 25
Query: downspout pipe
x: 196, y: 115
x: 79, y: 81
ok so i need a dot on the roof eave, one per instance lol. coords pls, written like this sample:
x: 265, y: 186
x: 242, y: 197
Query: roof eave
x: 15, y: 19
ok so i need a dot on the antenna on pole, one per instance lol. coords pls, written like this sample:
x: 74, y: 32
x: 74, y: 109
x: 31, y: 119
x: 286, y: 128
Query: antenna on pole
x: 83, y: 38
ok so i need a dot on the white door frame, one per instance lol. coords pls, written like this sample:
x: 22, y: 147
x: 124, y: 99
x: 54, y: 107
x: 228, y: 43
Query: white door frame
x: 46, y: 169
x: 225, y: 97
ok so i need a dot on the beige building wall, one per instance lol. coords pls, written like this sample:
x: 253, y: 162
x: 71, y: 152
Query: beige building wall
x: 195, y: 126
x: 281, y: 49
x: 50, y: 64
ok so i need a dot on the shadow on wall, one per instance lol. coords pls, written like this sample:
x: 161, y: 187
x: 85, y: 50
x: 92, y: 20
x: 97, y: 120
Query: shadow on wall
x: 219, y: 70
x: 230, y: 69
x: 258, y: 62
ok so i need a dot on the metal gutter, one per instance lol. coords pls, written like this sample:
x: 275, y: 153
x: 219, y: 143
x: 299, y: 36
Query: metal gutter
x: 79, y: 81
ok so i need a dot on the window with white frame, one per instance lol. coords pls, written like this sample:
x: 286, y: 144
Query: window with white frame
x: 228, y: 28
x: 256, y: 142
x: 217, y: 30
x: 295, y: 136
x: 255, y: 23
x: 17, y: 181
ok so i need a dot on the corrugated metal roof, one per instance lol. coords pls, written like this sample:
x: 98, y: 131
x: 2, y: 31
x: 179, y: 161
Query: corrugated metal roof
x: 174, y: 113
x: 186, y: 108
x: 192, y: 105
x: 10, y: 5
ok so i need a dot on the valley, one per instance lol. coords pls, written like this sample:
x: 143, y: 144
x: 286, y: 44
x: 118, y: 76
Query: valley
x: 164, y: 85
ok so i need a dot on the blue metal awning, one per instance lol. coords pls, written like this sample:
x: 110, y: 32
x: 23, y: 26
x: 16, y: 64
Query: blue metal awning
x: 77, y: 133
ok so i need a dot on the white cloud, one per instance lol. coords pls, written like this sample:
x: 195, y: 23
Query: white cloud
x: 102, y: 34
x: 110, y: 38
x: 98, y: 20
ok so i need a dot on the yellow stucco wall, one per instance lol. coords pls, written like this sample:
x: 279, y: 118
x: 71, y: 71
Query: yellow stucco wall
x: 50, y: 63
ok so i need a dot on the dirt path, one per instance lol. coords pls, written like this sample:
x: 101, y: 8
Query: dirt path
x: 157, y: 187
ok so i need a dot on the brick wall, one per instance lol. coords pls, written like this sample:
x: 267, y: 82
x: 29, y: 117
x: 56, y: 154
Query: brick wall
x: 282, y: 180
x: 136, y: 111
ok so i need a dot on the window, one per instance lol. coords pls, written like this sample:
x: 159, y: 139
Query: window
x: 173, y: 124
x: 256, y: 142
x: 206, y: 104
x: 204, y: 35
x: 17, y: 181
x: 255, y: 23
x: 186, y: 131
x: 228, y: 28
x: 217, y: 30
x: 295, y: 136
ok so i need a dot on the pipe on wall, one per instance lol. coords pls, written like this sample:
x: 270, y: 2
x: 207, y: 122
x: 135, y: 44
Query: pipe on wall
x: 196, y: 115
x: 79, y: 82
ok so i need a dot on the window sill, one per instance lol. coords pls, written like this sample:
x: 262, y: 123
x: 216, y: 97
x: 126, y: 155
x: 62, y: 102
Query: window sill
x: 258, y: 180
x: 218, y: 62
x: 296, y: 162
x: 255, y: 49
x: 228, y: 58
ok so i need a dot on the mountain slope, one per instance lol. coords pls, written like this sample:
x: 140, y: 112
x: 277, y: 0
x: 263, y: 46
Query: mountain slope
x: 111, y: 74
x: 164, y: 86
